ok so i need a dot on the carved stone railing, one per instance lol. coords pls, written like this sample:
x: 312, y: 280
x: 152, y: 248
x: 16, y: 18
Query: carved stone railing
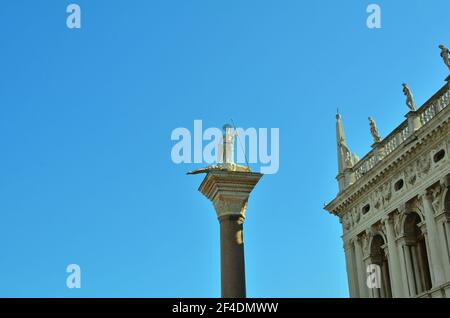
x: 437, y: 103
x: 383, y: 149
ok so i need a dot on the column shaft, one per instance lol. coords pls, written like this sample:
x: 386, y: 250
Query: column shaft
x: 362, y: 277
x: 371, y: 292
x: 409, y: 270
x: 437, y: 268
x: 403, y: 271
x: 394, y: 261
x: 232, y: 256
x: 416, y: 266
x: 423, y: 268
x: 386, y: 290
x: 351, y: 269
x: 447, y: 239
x: 442, y: 232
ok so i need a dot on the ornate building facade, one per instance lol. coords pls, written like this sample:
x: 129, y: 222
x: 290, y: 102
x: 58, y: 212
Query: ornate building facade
x: 394, y: 205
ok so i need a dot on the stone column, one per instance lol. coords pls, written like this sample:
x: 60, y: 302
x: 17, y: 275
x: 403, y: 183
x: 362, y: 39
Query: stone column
x: 387, y: 269
x: 447, y: 241
x: 229, y: 192
x: 433, y: 240
x: 423, y: 229
x: 416, y: 267
x: 371, y: 292
x: 442, y: 223
x: 403, y: 271
x: 410, y: 270
x: 386, y: 291
x: 362, y: 276
x: 351, y: 269
x: 394, y: 260
x: 422, y: 266
x: 232, y: 262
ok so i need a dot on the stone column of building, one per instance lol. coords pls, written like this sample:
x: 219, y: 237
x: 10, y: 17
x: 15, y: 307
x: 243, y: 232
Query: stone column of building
x: 406, y: 267
x: 410, y: 270
x: 401, y: 259
x: 447, y: 230
x: 229, y: 192
x: 421, y: 257
x: 371, y: 292
x: 394, y: 260
x: 351, y: 269
x: 400, y: 244
x: 443, y: 225
x: 433, y: 241
x: 423, y: 228
x: 360, y: 268
x: 386, y: 272
x: 416, y: 268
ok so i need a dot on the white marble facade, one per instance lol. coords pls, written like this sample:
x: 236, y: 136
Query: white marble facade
x: 394, y: 206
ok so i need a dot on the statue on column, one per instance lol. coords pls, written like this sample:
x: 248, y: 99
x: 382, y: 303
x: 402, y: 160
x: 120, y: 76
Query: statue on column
x: 229, y: 134
x: 374, y: 130
x: 445, y: 55
x: 227, y: 151
x: 409, y: 98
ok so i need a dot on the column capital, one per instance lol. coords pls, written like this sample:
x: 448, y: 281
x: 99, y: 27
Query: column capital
x: 229, y: 191
x: 402, y: 208
x: 348, y: 244
x: 426, y: 194
x: 445, y: 181
x: 404, y: 240
x: 368, y: 232
x: 423, y: 227
x: 387, y: 219
x: 445, y: 185
x: 387, y: 225
x: 360, y: 238
x: 443, y: 217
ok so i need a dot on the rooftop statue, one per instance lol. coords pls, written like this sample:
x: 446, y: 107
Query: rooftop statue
x: 374, y: 130
x: 409, y: 98
x: 445, y: 55
x: 228, y: 164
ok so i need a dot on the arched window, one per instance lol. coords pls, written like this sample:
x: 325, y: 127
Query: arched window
x: 416, y: 257
x: 378, y: 257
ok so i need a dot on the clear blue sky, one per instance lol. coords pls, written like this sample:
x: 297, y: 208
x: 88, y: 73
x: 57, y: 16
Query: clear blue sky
x: 86, y: 117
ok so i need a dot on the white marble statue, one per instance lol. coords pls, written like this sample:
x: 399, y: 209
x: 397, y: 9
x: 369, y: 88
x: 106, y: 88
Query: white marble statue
x: 409, y: 98
x: 445, y: 55
x: 374, y: 130
x: 228, y: 164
